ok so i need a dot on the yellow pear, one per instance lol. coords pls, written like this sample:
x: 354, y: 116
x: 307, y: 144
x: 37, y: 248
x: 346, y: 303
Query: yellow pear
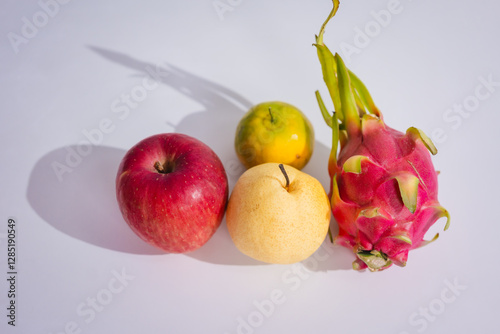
x: 278, y: 214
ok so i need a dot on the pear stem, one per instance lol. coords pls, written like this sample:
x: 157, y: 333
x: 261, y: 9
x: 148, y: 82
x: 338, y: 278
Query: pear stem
x: 285, y: 174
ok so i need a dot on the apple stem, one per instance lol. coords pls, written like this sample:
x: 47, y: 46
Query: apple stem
x: 285, y: 174
x: 270, y: 113
x: 163, y: 168
x: 159, y: 167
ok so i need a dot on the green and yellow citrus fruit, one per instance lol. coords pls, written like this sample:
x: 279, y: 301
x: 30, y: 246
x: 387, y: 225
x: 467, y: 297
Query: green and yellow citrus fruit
x: 274, y: 132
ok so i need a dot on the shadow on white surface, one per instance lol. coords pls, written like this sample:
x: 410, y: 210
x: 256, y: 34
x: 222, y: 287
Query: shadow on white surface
x: 82, y: 203
x: 220, y: 249
x: 330, y: 256
x: 216, y: 124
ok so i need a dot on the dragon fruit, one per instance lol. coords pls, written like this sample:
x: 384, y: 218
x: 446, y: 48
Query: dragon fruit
x: 383, y: 187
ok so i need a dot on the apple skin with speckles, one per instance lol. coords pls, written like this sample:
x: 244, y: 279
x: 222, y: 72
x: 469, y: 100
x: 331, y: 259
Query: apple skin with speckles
x: 172, y: 191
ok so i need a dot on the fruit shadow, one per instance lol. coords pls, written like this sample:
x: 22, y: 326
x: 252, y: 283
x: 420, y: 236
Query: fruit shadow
x: 81, y: 202
x: 75, y: 193
x: 215, y: 125
x: 222, y: 108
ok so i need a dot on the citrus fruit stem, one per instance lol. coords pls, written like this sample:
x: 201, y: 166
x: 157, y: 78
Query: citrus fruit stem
x: 271, y: 114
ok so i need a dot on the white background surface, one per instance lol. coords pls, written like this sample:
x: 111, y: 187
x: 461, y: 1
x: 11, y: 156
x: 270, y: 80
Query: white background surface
x: 70, y: 75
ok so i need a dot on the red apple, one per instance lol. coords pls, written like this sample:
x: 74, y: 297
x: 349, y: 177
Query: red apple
x: 172, y: 191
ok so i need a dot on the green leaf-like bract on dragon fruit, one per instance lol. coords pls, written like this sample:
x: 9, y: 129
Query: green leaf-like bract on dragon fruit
x: 383, y: 187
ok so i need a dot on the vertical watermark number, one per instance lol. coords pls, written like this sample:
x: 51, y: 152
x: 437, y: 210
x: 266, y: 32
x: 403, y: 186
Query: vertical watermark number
x: 11, y: 271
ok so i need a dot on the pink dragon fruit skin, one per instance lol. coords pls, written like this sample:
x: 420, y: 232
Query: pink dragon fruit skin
x: 383, y: 186
x: 384, y: 198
